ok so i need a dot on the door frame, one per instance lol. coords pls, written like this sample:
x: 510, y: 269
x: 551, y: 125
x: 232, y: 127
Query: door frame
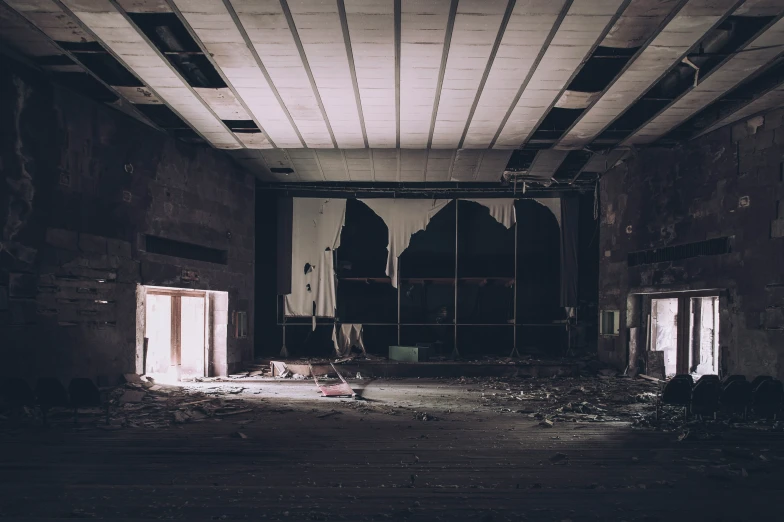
x: 176, y: 319
x: 684, y: 297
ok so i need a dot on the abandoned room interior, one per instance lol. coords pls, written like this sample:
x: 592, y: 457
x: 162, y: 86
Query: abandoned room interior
x: 489, y: 260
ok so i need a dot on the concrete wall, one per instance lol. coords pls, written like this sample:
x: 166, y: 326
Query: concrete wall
x: 80, y: 186
x: 727, y: 183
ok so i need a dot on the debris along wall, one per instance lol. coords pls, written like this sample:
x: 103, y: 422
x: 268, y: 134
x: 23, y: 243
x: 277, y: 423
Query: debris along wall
x: 729, y: 183
x: 82, y: 188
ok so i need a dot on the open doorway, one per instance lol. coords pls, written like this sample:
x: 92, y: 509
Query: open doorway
x: 684, y: 335
x: 704, y: 336
x: 664, y: 332
x: 177, y: 326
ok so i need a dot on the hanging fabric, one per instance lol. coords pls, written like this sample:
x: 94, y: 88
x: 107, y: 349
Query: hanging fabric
x: 554, y: 204
x: 502, y: 210
x: 404, y: 218
x: 316, y: 227
x: 347, y: 336
x: 570, y: 209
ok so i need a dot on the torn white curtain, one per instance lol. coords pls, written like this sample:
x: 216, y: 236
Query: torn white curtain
x: 502, y: 210
x: 315, y: 235
x: 404, y: 218
x: 347, y: 336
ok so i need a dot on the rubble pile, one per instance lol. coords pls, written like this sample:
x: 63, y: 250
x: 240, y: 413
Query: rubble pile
x: 572, y: 399
x: 141, y: 403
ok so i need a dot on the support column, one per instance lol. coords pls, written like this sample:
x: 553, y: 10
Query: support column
x: 397, y: 275
x: 455, y: 352
x: 515, y: 352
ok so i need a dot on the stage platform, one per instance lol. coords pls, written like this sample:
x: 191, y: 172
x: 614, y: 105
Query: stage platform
x: 385, y: 368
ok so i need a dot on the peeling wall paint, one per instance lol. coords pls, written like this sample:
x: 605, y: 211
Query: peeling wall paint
x: 726, y: 183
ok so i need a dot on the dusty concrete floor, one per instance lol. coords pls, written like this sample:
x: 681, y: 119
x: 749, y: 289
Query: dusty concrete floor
x: 296, y: 456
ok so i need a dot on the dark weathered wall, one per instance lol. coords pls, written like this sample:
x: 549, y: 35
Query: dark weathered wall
x: 727, y: 183
x: 80, y: 186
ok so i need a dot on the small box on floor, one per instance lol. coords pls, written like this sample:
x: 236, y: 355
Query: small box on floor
x: 418, y: 353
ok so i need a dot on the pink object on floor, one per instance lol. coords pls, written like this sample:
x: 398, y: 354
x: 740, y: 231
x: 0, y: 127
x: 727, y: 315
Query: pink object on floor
x: 334, y: 390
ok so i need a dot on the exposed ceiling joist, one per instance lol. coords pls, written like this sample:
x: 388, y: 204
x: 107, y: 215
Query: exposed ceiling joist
x: 584, y: 26
x: 761, y: 50
x: 772, y: 99
x: 124, y: 40
x: 214, y: 27
x: 691, y: 22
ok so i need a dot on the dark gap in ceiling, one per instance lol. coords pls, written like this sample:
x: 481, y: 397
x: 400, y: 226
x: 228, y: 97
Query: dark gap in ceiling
x: 281, y: 170
x: 521, y: 159
x: 750, y: 89
x: 555, y: 123
x: 162, y: 116
x: 169, y: 35
x: 730, y: 36
x: 107, y: 68
x: 54, y: 59
x: 601, y: 68
x: 84, y: 47
x: 86, y: 85
x: 575, y: 160
x: 245, y: 126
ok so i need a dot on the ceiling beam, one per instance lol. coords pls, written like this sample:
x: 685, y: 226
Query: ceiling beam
x: 113, y: 29
x: 773, y: 99
x: 583, y: 28
x: 529, y: 30
x: 682, y: 29
x: 127, y: 106
x: 475, y: 31
x: 762, y: 49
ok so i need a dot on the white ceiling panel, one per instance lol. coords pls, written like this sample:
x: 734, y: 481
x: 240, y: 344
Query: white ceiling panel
x: 439, y: 164
x: 422, y: 34
x: 305, y: 163
x: 772, y: 99
x: 546, y: 163
x: 319, y: 28
x: 525, y: 35
x: 51, y: 20
x: 359, y: 164
x: 332, y: 164
x: 118, y: 35
x: 403, y: 90
x: 761, y: 50
x: 604, y: 161
x: 139, y: 95
x: 475, y: 30
x: 253, y: 140
x: 412, y: 164
x: 385, y: 165
x: 371, y: 25
x: 145, y: 6
x: 18, y: 34
x: 466, y: 164
x: 268, y: 30
x: 580, y: 30
x: 223, y: 103
x: 493, y: 165
x: 215, y: 28
x: 668, y: 48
